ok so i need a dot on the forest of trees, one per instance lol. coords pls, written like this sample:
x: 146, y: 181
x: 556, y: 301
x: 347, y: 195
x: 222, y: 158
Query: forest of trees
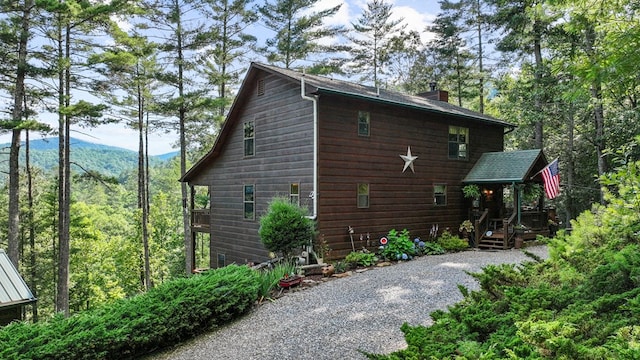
x: 564, y: 71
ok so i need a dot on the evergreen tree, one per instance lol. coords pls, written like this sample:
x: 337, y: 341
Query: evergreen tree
x: 180, y: 42
x: 525, y: 26
x: 71, y: 25
x: 455, y: 68
x: 375, y: 34
x: 230, y: 45
x: 299, y: 32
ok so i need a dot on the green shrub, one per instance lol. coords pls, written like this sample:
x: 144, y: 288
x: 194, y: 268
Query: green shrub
x: 361, y: 258
x: 129, y: 328
x: 399, y: 246
x: 285, y: 227
x: 428, y: 248
x: 582, y: 303
x: 270, y: 278
x: 451, y: 242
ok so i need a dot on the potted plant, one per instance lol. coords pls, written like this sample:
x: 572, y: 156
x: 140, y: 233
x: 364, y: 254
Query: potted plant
x: 466, y: 228
x: 472, y: 191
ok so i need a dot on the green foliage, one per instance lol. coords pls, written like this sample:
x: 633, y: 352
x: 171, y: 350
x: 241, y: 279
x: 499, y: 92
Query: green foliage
x: 285, y: 227
x: 471, y: 191
x: 582, y: 303
x: 399, y: 246
x: 269, y: 278
x: 451, y: 242
x: 126, y: 329
x: 361, y: 258
x: 428, y: 248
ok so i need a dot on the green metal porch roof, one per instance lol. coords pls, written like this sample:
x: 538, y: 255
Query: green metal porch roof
x: 13, y: 289
x: 506, y: 167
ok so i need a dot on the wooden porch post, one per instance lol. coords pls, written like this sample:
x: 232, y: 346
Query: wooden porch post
x: 191, y: 253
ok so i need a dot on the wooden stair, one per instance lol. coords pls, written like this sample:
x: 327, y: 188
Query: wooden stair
x: 495, y: 241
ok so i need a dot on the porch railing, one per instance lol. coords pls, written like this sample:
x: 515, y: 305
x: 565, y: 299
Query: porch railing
x: 507, y: 226
x: 481, y: 226
x: 200, y: 218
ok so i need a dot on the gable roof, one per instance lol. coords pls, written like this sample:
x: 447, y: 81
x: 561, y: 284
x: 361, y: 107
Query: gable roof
x: 506, y: 167
x: 13, y: 289
x: 324, y: 85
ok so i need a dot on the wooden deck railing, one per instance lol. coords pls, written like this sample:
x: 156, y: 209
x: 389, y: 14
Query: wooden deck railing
x: 481, y: 226
x: 200, y: 218
x: 507, y: 226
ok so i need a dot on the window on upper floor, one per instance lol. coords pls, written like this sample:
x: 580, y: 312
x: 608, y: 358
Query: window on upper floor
x: 363, y: 196
x: 249, y: 202
x: 249, y: 138
x: 363, y: 123
x: 294, y: 193
x: 458, y: 143
x: 440, y: 194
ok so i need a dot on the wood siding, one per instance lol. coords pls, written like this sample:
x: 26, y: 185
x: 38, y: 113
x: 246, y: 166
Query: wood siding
x: 397, y: 200
x: 283, y: 155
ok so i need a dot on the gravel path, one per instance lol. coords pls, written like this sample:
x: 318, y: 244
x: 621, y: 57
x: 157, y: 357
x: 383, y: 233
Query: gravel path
x: 361, y: 312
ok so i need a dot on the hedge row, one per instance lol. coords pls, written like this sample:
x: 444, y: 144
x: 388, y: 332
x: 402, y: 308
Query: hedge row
x: 131, y: 327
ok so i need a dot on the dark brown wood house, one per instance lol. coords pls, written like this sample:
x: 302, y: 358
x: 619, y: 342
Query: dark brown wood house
x: 358, y: 157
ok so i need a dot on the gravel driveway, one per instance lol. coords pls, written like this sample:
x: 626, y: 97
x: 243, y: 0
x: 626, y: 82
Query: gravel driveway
x: 361, y: 312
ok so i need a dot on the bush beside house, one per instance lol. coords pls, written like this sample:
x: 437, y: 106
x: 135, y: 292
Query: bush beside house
x: 126, y: 329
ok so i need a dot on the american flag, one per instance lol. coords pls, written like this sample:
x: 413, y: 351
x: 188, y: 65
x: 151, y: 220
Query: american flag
x: 551, y: 177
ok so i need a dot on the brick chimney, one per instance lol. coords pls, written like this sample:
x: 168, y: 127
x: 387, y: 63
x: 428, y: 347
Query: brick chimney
x: 435, y: 94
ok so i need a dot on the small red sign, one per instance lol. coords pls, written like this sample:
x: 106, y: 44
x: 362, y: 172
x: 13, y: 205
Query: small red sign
x: 384, y: 240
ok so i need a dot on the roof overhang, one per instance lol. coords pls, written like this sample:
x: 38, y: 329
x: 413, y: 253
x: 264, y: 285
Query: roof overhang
x: 13, y: 290
x: 507, y: 167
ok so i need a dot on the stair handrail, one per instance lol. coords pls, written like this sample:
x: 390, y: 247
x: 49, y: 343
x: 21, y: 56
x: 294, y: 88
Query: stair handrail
x: 481, y: 230
x: 507, y: 226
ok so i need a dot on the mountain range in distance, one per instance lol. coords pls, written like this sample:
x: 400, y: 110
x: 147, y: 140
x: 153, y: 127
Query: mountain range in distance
x: 106, y: 159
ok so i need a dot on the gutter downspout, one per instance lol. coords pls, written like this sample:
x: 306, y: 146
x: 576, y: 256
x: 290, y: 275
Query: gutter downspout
x: 313, y: 99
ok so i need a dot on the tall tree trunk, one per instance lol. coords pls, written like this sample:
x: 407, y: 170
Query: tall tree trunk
x: 480, y: 60
x: 32, y: 230
x: 64, y: 50
x: 538, y: 102
x: 142, y: 193
x: 13, y: 250
x: 570, y: 167
x: 590, y: 37
x: 188, y: 242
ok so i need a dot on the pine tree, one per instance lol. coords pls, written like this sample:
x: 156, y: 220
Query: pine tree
x: 298, y: 32
x: 375, y: 34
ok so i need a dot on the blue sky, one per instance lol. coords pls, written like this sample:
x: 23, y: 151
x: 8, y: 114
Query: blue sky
x: 417, y: 14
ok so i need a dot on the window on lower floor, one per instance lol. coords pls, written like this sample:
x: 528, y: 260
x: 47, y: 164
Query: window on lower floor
x: 222, y: 259
x: 249, y: 202
x: 363, y: 196
x: 440, y: 194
